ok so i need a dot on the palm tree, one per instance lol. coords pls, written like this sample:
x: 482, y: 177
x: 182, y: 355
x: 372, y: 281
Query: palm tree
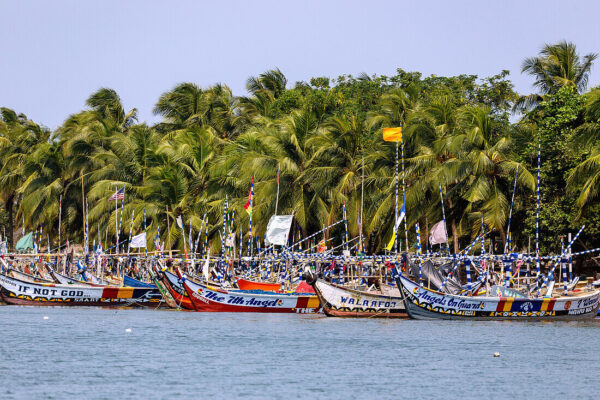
x: 44, y: 172
x: 335, y: 167
x: 585, y: 177
x: 490, y: 168
x: 432, y: 131
x: 264, y: 90
x: 185, y: 105
x: 18, y: 137
x: 556, y: 66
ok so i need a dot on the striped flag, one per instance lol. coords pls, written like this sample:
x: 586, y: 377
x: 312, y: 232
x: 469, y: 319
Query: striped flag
x: 248, y: 205
x: 118, y: 195
x: 400, y: 218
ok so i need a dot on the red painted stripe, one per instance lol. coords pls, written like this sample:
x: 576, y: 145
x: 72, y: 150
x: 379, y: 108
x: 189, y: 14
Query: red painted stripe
x: 302, y: 302
x: 500, y: 306
x: 551, y: 305
x: 110, y: 293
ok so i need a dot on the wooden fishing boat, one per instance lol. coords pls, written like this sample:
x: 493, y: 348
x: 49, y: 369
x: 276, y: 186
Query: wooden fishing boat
x: 423, y: 303
x: 175, y: 289
x: 339, y: 301
x: 65, y: 280
x: 16, y: 291
x: 163, y: 291
x: 245, y: 284
x: 13, y: 273
x: 212, y: 299
x: 132, y: 282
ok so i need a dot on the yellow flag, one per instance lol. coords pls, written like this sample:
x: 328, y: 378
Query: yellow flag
x: 390, y: 245
x: 392, y: 134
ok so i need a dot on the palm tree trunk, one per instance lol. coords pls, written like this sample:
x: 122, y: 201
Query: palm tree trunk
x: 454, y: 235
x: 9, y: 211
x: 503, y: 236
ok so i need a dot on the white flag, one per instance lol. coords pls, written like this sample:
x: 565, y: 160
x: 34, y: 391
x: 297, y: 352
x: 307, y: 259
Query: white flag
x: 138, y: 240
x: 278, y: 230
x: 438, y: 233
x: 206, y: 268
x: 179, y: 222
x: 230, y: 240
x: 400, y: 217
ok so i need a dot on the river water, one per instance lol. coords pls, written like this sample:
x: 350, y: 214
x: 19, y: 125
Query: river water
x: 87, y: 353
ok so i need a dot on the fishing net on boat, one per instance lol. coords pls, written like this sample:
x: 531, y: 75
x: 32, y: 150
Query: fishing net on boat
x: 434, y: 276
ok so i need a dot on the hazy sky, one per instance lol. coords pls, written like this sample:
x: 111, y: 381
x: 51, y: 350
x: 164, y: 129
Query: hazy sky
x: 54, y: 54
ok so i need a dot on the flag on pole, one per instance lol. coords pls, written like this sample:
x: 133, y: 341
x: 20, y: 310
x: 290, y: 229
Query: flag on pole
x: 118, y: 195
x: 179, y: 222
x: 438, y: 233
x: 392, y: 134
x: 248, y: 205
x: 230, y: 240
x: 139, y: 241
x: 396, y: 224
x: 278, y: 230
x: 322, y: 246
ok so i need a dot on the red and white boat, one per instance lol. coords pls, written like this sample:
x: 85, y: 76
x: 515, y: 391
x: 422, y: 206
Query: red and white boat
x: 212, y: 299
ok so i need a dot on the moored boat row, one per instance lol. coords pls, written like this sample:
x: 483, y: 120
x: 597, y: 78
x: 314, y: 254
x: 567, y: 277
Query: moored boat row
x: 397, y: 296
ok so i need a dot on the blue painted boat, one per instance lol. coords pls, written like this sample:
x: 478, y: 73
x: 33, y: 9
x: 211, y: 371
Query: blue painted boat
x: 131, y: 282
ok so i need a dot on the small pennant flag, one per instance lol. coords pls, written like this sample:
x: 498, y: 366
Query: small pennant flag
x: 179, y: 222
x: 392, y: 134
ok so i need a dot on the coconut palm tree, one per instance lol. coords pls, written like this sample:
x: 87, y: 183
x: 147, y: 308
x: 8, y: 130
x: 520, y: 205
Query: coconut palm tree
x: 44, y: 173
x: 183, y: 106
x: 490, y: 167
x: 335, y: 168
x: 18, y: 137
x: 557, y: 65
x: 264, y: 90
x: 585, y: 178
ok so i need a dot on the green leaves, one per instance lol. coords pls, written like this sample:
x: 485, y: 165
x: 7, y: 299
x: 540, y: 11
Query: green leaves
x: 325, y: 137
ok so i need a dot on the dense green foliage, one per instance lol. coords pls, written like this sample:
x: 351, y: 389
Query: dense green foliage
x: 471, y: 136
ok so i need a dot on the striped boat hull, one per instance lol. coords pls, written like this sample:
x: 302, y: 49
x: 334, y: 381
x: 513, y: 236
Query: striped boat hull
x: 423, y: 303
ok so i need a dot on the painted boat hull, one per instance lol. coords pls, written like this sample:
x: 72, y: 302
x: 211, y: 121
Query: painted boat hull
x: 244, y: 284
x: 18, y: 292
x: 210, y: 299
x: 170, y: 282
x: 163, y: 290
x: 338, y: 301
x: 422, y: 303
x: 65, y: 280
x: 132, y: 282
x: 13, y: 273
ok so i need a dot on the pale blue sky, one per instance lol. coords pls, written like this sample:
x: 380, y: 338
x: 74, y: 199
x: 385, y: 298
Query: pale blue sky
x: 54, y: 54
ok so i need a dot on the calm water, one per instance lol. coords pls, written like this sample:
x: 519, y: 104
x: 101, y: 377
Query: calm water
x: 87, y: 353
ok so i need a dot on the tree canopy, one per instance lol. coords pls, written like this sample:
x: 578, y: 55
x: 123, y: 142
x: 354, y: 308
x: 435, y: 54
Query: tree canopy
x: 474, y: 140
